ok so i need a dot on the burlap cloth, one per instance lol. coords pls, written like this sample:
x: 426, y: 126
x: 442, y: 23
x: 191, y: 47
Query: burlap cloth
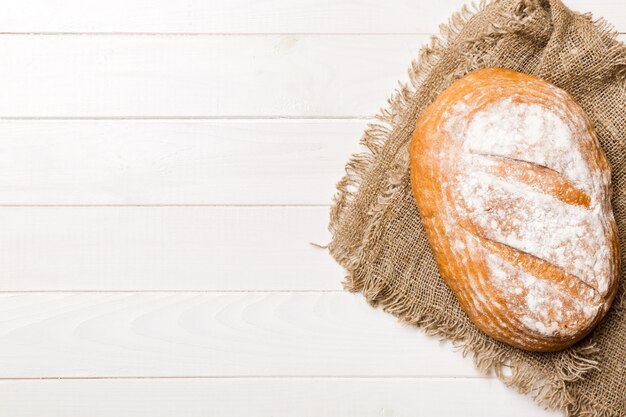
x: 379, y: 239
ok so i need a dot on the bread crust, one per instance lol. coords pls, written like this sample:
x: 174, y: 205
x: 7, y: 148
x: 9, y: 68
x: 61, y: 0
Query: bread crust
x: 514, y: 193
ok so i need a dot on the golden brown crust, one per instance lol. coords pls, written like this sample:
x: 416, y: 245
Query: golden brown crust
x: 514, y: 193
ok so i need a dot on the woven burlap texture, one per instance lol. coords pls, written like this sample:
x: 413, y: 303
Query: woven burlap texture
x: 379, y: 239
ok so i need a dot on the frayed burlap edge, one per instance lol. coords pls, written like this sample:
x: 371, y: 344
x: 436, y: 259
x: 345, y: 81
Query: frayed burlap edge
x: 549, y: 391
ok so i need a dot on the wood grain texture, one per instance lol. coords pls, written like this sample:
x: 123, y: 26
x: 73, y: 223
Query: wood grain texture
x: 165, y: 248
x: 249, y: 16
x: 212, y: 334
x: 201, y: 76
x: 249, y: 397
x: 255, y: 162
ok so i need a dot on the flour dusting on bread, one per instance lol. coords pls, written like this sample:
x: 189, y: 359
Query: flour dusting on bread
x: 528, y: 132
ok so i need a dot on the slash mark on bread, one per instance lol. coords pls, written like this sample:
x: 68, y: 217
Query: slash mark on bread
x: 537, y: 267
x: 538, y: 176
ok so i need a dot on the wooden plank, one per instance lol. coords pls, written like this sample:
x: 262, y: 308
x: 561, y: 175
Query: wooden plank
x: 135, y: 162
x: 201, y: 76
x: 247, y: 397
x: 212, y: 334
x: 90, y: 76
x: 248, y: 16
x: 165, y: 248
x: 240, y: 16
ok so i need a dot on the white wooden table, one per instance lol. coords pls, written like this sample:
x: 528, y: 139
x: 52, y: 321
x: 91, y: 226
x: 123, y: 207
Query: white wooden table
x: 163, y: 168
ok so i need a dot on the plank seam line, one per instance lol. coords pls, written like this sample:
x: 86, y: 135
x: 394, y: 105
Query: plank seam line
x: 419, y: 377
x: 178, y: 291
x: 206, y: 34
x: 166, y: 205
x: 216, y: 118
x: 197, y: 34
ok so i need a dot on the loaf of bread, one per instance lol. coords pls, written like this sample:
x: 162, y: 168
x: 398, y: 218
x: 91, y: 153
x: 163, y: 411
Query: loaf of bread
x: 514, y: 193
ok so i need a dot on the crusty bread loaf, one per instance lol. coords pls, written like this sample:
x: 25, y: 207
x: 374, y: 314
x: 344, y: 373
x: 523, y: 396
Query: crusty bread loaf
x: 514, y: 193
